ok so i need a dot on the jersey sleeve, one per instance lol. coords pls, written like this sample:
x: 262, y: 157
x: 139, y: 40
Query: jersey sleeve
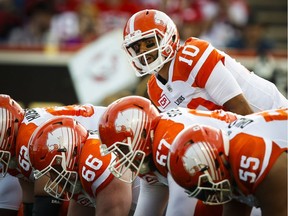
x: 221, y: 85
x: 165, y: 133
x: 22, y: 153
x: 72, y: 110
x: 154, y: 91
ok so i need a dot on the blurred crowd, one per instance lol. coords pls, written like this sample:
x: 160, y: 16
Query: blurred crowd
x: 67, y: 23
x: 224, y: 23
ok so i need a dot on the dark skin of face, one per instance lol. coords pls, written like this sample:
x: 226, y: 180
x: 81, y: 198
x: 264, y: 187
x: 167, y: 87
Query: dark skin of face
x: 143, y: 46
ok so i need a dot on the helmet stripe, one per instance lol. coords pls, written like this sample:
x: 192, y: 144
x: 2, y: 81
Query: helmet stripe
x: 212, y: 156
x: 131, y: 24
x: 137, y: 129
x: 203, y: 153
x: 5, y: 122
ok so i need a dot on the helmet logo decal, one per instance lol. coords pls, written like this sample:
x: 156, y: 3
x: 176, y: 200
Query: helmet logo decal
x: 123, y: 122
x: 31, y: 114
x: 159, y: 19
x: 55, y: 140
x: 132, y: 121
x: 190, y: 163
x: 204, y: 156
x: 62, y: 139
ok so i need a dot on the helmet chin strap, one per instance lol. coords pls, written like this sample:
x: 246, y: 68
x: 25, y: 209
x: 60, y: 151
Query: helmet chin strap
x: 13, y: 163
x: 78, y: 188
x: 144, y: 168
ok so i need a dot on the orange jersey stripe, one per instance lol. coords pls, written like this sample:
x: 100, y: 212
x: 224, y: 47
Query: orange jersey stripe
x: 152, y: 86
x: 188, y: 57
x: 195, y: 102
x: 206, y: 69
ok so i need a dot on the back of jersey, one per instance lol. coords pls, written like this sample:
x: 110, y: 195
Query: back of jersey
x: 256, y: 142
x: 174, y: 121
x: 271, y: 124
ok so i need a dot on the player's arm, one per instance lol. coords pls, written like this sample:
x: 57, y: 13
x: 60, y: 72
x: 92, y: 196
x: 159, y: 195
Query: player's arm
x: 224, y: 89
x: 76, y: 209
x: 236, y: 208
x: 275, y: 185
x: 44, y: 204
x: 112, y: 196
x: 27, y: 196
x: 239, y: 105
x: 152, y: 199
x: 114, y: 199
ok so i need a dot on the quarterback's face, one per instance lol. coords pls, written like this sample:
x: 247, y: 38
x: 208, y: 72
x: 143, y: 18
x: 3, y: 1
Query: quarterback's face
x: 143, y: 47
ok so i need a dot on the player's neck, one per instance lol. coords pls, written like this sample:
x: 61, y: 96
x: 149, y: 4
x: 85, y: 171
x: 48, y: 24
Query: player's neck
x: 164, y: 72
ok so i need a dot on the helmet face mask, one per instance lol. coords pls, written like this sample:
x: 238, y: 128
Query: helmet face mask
x: 211, y: 193
x: 11, y: 116
x: 60, y: 181
x: 126, y: 160
x: 150, y: 24
x: 197, y: 161
x: 125, y: 130
x: 140, y: 62
x: 5, y: 157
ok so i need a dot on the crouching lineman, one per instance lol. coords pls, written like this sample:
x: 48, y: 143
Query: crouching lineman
x: 133, y: 129
x: 14, y: 155
x: 245, y: 167
x: 69, y: 155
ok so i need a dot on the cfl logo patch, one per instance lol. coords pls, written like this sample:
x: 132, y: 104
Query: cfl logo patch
x: 164, y: 101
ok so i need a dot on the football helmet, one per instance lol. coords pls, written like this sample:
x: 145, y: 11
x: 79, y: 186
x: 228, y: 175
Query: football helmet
x: 198, y: 161
x: 11, y: 116
x: 153, y: 24
x: 126, y: 129
x: 54, y: 151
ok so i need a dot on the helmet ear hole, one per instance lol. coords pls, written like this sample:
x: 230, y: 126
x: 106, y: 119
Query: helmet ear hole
x: 174, y: 38
x: 8, y: 132
x: 190, y: 142
x: 217, y: 165
x: 75, y: 151
x: 144, y: 134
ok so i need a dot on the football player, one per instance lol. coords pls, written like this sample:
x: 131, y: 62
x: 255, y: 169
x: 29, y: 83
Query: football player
x: 239, y: 168
x: 43, y: 203
x: 133, y: 129
x: 11, y: 115
x: 14, y: 154
x: 62, y: 149
x: 194, y: 74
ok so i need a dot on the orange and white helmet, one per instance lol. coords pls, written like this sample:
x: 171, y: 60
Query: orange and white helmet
x: 198, y: 161
x: 11, y: 116
x: 54, y: 151
x: 125, y: 129
x: 150, y: 24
